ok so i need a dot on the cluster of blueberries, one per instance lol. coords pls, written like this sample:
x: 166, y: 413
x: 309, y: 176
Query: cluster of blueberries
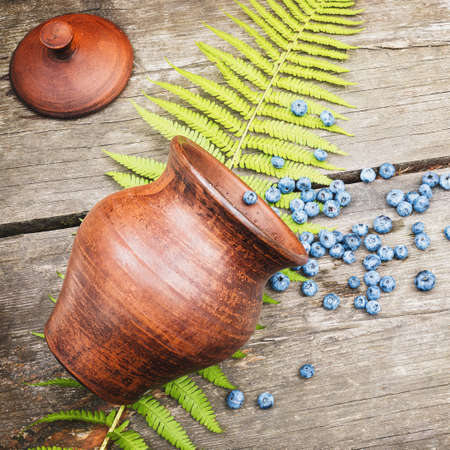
x: 300, y: 108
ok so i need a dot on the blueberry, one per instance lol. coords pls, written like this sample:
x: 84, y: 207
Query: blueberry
x: 387, y: 284
x: 425, y: 190
x: 296, y: 203
x: 249, y: 197
x: 235, y: 399
x: 272, y: 194
x: 401, y: 252
x: 444, y: 181
x: 386, y: 171
x: 339, y: 236
x: 312, y: 209
x: 311, y: 268
x: 418, y: 227
x: 307, y: 371
x: 327, y: 238
x: 394, y: 197
x: 327, y: 118
x: 309, y: 288
x: 331, y: 301
x: 331, y: 208
x: 286, y: 185
x: 299, y: 107
x: 421, y: 204
x: 382, y: 224
x: 373, y: 293
x: 404, y: 209
x: 320, y: 155
x: 299, y: 216
x: 337, y: 251
x: 349, y: 257
x: 422, y: 241
x: 360, y: 229
x: 324, y: 194
x: 353, y: 282
x: 411, y: 196
x: 371, y: 262
x: 317, y: 250
x: 265, y: 400
x: 307, y: 236
x: 360, y: 302
x: 371, y: 278
x: 308, y: 195
x: 447, y: 232
x: 337, y: 186
x: 296, y: 268
x: 279, y: 282
x: 373, y: 307
x: 367, y: 175
x: 307, y: 247
x: 372, y: 242
x: 343, y: 198
x: 303, y: 184
x: 425, y: 280
x: 277, y: 162
x: 430, y: 178
x: 385, y: 253
x: 352, y: 241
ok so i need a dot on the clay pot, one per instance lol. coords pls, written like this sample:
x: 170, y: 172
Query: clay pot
x: 166, y: 278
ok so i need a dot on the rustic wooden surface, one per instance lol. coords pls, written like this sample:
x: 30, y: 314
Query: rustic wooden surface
x: 381, y: 382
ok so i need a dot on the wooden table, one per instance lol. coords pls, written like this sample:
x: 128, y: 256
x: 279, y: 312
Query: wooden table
x: 380, y: 382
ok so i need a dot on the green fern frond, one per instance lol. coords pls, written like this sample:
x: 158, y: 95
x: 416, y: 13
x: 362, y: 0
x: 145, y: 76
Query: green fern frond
x: 332, y: 29
x: 194, y: 401
x: 159, y: 418
x: 269, y: 300
x: 313, y: 74
x: 340, y: 11
x: 293, y: 22
x: 295, y: 10
x: 63, y: 382
x: 308, y: 61
x: 293, y: 276
x: 257, y: 184
x: 82, y: 415
x: 146, y: 167
x: 60, y: 275
x: 53, y: 299
x: 317, y: 50
x: 260, y: 327
x: 336, y: 20
x: 127, y: 439
x: 286, y: 199
x: 325, y: 40
x: 39, y: 335
x: 127, y: 180
x: 239, y: 355
x: 215, y: 375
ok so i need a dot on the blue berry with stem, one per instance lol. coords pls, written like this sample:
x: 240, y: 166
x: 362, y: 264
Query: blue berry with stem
x: 272, y: 194
x: 387, y: 284
x: 382, y: 224
x: 306, y: 236
x: 372, y: 278
x: 299, y: 216
x: 299, y: 107
x: 444, y: 181
x: 360, y: 302
x: 249, y: 197
x: 385, y: 253
x: 447, y: 232
x: 331, y: 301
x: 401, y: 252
x: 344, y: 198
x: 371, y: 262
x: 418, y: 227
x: 386, y: 171
x: 309, y: 195
x: 425, y: 280
x: 265, y: 400
x: 320, y: 155
x: 360, y: 229
x: 337, y: 251
x: 327, y: 238
x: 421, y: 204
x: 430, y: 178
x: 373, y: 307
x: 353, y: 282
x: 337, y: 186
x: 307, y: 371
x: 235, y: 399
x: 411, y: 196
x: 373, y: 293
x: 348, y: 257
x: 296, y: 203
x: 286, y: 185
x: 309, y: 288
x: 324, y: 194
x: 311, y: 268
x: 317, y: 250
x: 425, y: 190
x: 352, y: 241
x: 339, y: 236
x: 395, y: 197
x: 277, y: 162
x: 367, y: 175
x: 303, y: 184
x: 331, y: 209
x: 372, y: 242
x: 327, y: 118
x: 422, y: 241
x: 404, y: 209
x: 279, y: 282
x: 312, y: 209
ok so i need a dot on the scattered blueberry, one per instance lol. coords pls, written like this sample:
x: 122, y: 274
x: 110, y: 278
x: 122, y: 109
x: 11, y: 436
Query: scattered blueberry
x: 286, y: 185
x: 324, y: 194
x: 425, y: 280
x: 312, y: 209
x: 337, y: 251
x: 418, y: 227
x: 372, y: 242
x: 296, y: 203
x: 279, y: 282
x: 331, y: 301
x: 299, y: 107
x: 382, y: 224
x: 309, y: 288
x: 421, y: 204
x: 371, y: 262
x: 372, y: 278
x: 447, y: 232
x: 411, y: 196
x: 249, y: 197
x: 272, y: 194
x: 320, y: 155
x: 360, y: 229
x: 348, y: 257
x: 265, y: 400
x: 311, y: 268
x: 307, y: 236
x: 430, y: 178
x: 327, y: 238
x: 352, y: 241
x: 277, y: 162
x: 360, y: 302
x: 337, y: 186
x: 404, y: 209
x: 308, y: 195
x: 444, y: 181
x: 343, y: 198
x: 307, y: 371
x: 353, y: 282
x: 303, y: 184
x: 387, y: 284
x: 373, y: 307
x: 299, y: 216
x: 394, y: 197
x: 327, y: 118
x: 401, y: 252
x: 235, y: 399
x: 331, y: 208
x: 386, y: 171
x: 368, y: 175
x: 317, y: 250
x: 425, y: 190
x: 385, y: 253
x: 339, y: 236
x: 373, y: 293
x: 422, y: 241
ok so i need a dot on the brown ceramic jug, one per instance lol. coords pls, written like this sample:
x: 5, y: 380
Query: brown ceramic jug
x: 166, y: 278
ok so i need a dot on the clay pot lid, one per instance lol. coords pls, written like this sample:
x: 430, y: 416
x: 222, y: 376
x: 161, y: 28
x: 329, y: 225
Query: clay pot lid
x: 71, y: 65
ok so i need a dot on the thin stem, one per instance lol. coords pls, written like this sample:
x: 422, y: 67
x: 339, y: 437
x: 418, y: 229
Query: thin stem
x: 112, y: 427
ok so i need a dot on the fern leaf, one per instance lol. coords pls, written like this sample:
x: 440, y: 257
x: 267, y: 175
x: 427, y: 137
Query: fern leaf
x: 146, y: 167
x: 60, y: 275
x: 127, y: 180
x: 186, y: 392
x: 39, y: 335
x: 295, y: 10
x: 127, y: 439
x: 257, y: 184
x: 312, y: 74
x: 159, y: 418
x: 340, y: 11
x: 325, y: 40
x: 317, y: 50
x: 332, y: 29
x: 63, y: 382
x: 215, y: 375
x: 269, y: 300
x: 239, y: 355
x: 308, y: 61
x: 81, y: 415
x: 53, y: 299
x: 260, y: 327
x: 286, y: 16
x: 336, y: 20
x: 294, y: 276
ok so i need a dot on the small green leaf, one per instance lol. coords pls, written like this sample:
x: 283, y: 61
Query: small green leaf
x: 39, y: 335
x: 260, y: 327
x: 269, y: 300
x: 215, y: 375
x: 63, y: 382
x: 239, y: 355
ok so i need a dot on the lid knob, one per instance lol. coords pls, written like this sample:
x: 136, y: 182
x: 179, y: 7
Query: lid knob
x: 56, y: 35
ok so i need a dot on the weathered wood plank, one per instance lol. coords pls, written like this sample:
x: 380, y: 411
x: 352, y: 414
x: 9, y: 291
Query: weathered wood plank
x: 380, y: 382
x: 51, y: 168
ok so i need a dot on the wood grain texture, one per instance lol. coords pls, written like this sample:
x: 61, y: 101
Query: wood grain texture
x: 381, y: 382
x: 53, y: 168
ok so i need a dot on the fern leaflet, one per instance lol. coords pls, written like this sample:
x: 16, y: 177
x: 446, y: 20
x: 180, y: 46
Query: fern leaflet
x: 215, y: 375
x: 63, y: 382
